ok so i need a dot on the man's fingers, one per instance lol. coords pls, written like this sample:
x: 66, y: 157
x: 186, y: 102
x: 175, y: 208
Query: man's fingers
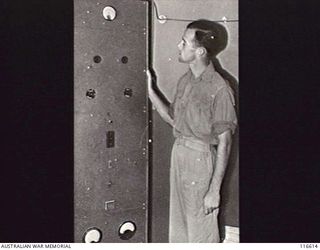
x: 216, y: 211
x: 148, y: 72
x: 209, y: 210
x: 149, y: 79
x: 206, y: 211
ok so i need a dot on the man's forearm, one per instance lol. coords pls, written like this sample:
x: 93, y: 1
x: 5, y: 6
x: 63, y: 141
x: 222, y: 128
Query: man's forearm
x: 160, y: 106
x: 221, y: 161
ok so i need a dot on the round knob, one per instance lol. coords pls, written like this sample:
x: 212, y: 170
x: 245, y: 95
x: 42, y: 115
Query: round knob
x: 92, y: 235
x: 91, y: 93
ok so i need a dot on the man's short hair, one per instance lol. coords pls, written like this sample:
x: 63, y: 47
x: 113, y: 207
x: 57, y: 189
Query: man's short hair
x: 210, y: 35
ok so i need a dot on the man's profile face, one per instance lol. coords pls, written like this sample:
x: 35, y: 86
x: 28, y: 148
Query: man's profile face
x: 187, y: 48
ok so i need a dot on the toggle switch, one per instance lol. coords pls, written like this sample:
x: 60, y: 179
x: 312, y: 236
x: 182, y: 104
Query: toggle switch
x: 92, y: 235
x: 127, y: 230
x: 110, y: 164
x: 110, y: 139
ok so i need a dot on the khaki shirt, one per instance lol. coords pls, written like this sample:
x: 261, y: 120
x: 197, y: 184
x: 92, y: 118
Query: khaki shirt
x: 203, y: 107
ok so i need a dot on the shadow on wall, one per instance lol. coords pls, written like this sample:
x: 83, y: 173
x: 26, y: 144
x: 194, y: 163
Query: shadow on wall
x: 229, y: 214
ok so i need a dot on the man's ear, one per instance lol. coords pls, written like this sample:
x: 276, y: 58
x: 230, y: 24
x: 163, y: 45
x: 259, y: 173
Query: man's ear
x: 201, y: 51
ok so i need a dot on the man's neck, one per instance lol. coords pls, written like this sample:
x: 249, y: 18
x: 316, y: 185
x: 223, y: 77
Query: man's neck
x: 198, y: 68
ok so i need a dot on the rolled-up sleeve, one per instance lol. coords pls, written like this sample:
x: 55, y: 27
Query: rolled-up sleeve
x: 223, y: 112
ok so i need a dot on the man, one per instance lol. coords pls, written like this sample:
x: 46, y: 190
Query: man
x: 203, y: 119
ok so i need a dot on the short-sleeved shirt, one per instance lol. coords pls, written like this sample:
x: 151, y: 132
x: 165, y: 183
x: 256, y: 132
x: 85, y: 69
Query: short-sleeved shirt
x: 203, y: 107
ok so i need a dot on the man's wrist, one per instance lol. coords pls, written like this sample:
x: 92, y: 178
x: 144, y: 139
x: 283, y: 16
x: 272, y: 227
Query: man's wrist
x: 214, y: 190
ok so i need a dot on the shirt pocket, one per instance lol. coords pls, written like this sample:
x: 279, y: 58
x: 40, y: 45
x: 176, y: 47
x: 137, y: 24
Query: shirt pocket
x: 200, y: 116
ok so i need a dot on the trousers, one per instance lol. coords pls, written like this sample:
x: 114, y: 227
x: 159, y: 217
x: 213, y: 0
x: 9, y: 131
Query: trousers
x: 190, y: 175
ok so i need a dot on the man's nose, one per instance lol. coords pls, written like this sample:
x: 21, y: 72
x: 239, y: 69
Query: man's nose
x: 179, y: 45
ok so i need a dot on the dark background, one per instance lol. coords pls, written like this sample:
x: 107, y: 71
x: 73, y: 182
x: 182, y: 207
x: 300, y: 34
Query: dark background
x: 279, y: 121
x: 36, y: 142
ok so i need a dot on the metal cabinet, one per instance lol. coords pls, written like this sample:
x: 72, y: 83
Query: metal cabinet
x: 110, y: 121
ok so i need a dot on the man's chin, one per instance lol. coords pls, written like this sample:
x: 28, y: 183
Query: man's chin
x: 181, y: 60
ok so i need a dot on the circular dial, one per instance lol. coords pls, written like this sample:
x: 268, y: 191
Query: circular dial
x: 127, y: 230
x: 109, y: 13
x: 92, y: 235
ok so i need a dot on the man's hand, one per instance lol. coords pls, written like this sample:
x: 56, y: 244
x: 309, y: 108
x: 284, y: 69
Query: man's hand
x: 212, y: 198
x: 149, y: 80
x: 211, y: 202
x: 158, y: 104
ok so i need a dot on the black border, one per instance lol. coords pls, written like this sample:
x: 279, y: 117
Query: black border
x: 36, y: 157
x: 279, y: 121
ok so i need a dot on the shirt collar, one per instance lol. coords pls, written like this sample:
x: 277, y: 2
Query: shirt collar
x: 207, y: 74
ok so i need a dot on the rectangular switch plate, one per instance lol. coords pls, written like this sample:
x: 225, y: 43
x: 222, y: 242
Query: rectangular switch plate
x: 110, y: 139
x: 109, y: 205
